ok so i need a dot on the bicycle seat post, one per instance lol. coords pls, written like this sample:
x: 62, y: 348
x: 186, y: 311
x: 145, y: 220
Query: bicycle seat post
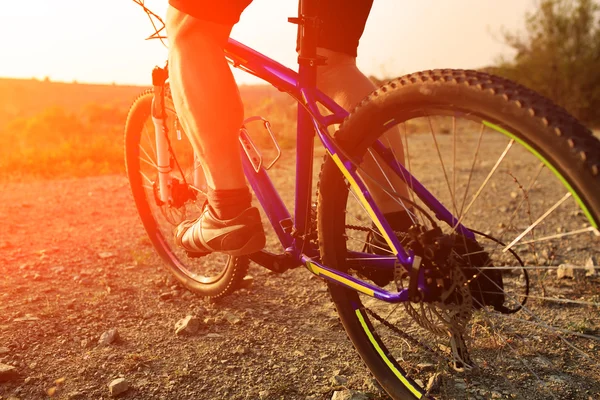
x: 308, y: 29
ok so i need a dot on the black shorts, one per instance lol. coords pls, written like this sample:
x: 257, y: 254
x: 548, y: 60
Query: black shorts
x: 343, y: 20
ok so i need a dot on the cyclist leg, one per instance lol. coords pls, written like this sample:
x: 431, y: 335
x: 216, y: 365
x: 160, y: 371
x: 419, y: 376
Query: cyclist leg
x: 208, y: 104
x: 343, y: 24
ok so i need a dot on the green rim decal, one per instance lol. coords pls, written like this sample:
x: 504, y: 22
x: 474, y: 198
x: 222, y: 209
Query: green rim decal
x: 385, y: 358
x: 587, y: 213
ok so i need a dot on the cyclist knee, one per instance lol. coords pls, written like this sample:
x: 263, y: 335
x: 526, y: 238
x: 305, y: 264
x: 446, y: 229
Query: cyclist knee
x: 183, y: 29
x: 335, y: 61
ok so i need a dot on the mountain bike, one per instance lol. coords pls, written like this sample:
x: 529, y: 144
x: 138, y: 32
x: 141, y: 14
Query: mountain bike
x: 486, y: 295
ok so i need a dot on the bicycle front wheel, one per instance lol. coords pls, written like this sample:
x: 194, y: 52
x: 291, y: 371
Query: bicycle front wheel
x: 517, y: 313
x: 214, y: 275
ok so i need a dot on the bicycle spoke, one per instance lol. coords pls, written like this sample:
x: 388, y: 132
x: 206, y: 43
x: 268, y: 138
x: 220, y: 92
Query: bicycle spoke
x: 532, y: 182
x: 487, y: 179
x: 527, y: 268
x: 389, y: 182
x: 408, y: 164
x: 150, y: 142
x: 556, y: 300
x: 147, y: 179
x: 475, y: 156
x: 537, y: 222
x: 554, y: 329
x: 364, y: 242
x: 539, y: 322
x: 148, y: 160
x: 376, y: 231
x: 454, y: 158
x: 437, y: 147
x: 560, y: 235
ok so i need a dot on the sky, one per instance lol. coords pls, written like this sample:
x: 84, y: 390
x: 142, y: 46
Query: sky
x: 103, y: 41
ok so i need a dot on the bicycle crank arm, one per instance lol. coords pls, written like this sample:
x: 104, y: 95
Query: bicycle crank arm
x: 351, y: 282
x: 277, y: 263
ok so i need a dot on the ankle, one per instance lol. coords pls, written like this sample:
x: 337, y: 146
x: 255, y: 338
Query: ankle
x: 399, y: 220
x: 229, y: 203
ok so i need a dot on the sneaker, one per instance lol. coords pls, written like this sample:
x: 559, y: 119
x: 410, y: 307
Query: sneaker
x: 238, y: 236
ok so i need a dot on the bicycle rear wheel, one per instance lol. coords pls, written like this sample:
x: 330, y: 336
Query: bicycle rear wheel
x: 522, y: 174
x: 214, y: 275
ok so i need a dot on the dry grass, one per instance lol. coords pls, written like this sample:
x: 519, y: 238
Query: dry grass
x: 58, y: 130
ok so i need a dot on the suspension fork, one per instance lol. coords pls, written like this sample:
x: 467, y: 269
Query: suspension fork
x: 159, y: 119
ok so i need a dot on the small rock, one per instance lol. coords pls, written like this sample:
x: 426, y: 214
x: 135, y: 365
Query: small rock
x: 373, y: 385
x: 434, y: 382
x: 590, y: 270
x: 187, y: 295
x: 424, y: 367
x: 27, y: 317
x: 105, y: 255
x: 496, y: 395
x: 542, y: 261
x: 348, y: 395
x: 165, y: 295
x: 58, y: 269
x: 514, y: 195
x: 263, y: 394
x: 247, y: 282
x: 298, y: 353
x: 8, y: 373
x: 503, y: 209
x: 187, y: 326
x: 108, y: 337
x: 459, y: 384
x: 556, y: 379
x: 118, y: 386
x: 339, y: 380
x: 565, y: 271
x: 4, y: 350
x: 214, y: 335
x: 232, y: 318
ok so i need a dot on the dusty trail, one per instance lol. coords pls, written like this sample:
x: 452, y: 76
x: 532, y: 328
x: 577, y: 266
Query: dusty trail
x: 75, y: 262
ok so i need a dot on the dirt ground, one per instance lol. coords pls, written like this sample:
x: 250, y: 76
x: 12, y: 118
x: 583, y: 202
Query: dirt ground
x: 75, y: 263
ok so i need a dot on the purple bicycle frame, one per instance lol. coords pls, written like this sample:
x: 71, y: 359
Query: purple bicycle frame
x: 302, y: 86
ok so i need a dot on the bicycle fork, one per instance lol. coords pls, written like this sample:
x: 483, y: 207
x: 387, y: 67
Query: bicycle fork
x: 159, y: 116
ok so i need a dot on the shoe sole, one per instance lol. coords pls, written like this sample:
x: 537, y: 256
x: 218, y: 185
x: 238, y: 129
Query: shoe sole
x: 255, y: 244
